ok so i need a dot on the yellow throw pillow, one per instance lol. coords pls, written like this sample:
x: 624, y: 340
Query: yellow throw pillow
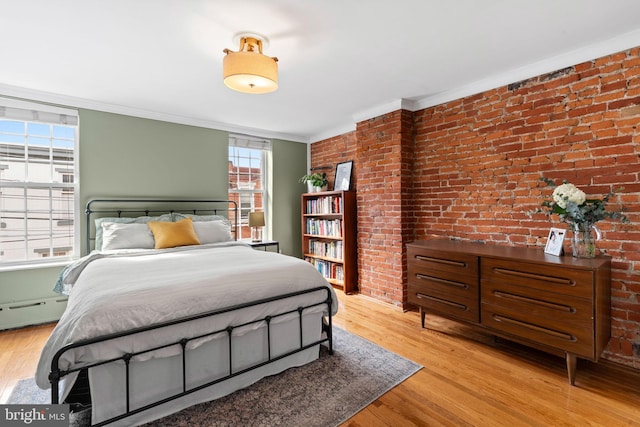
x: 172, y: 234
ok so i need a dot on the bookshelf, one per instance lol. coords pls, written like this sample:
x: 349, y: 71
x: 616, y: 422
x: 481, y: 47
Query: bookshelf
x: 329, y: 236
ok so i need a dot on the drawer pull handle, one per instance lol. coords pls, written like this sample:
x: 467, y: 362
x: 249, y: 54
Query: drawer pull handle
x: 442, y: 301
x: 551, y: 305
x: 441, y: 261
x: 558, y: 280
x: 536, y: 328
x: 443, y: 281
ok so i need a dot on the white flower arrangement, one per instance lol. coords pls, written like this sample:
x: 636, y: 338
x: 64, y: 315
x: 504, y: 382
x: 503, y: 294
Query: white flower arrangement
x: 573, y: 207
x: 568, y: 193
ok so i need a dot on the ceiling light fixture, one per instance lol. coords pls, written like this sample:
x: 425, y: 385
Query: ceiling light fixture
x: 248, y: 70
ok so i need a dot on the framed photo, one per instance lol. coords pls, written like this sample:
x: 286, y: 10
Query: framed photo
x: 554, y: 241
x: 343, y: 176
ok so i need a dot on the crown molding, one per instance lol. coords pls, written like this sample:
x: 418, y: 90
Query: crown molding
x: 577, y: 56
x: 399, y: 104
x: 330, y: 133
x: 379, y: 110
x: 558, y: 62
x: 75, y: 102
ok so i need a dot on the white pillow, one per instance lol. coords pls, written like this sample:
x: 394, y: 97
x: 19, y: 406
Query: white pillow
x: 212, y: 231
x: 125, y: 220
x: 199, y: 218
x: 126, y: 236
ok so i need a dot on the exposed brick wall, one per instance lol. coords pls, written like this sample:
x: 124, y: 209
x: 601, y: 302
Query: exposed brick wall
x: 382, y: 150
x: 325, y: 155
x: 477, y: 163
x: 479, y: 160
x: 383, y: 155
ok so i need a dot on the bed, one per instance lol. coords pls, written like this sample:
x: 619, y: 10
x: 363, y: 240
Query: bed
x: 170, y: 310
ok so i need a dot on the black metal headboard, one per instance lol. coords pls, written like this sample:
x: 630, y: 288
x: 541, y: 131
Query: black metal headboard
x: 153, y: 207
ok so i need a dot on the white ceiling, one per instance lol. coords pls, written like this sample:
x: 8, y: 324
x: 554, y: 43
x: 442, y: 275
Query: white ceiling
x: 340, y: 61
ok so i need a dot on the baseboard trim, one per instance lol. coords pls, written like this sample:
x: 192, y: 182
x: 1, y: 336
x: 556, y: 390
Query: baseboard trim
x: 16, y: 314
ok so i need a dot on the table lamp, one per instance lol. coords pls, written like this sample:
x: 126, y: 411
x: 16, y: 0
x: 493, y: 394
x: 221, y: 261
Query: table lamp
x: 256, y: 222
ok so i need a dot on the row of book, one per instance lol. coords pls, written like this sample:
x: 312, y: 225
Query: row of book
x: 324, y: 227
x: 324, y: 205
x: 326, y: 249
x: 328, y: 269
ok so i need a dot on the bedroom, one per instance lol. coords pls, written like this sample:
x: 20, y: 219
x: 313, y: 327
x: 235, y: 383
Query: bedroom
x: 119, y: 146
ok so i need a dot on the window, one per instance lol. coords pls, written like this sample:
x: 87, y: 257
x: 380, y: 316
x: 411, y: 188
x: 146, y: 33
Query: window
x: 248, y: 159
x: 38, y: 183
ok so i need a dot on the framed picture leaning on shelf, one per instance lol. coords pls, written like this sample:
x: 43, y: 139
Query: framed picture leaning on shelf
x: 343, y: 176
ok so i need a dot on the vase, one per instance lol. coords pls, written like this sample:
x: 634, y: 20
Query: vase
x: 583, y: 242
x: 313, y: 189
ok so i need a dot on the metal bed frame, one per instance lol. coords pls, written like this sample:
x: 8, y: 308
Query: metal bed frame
x: 158, y: 206
x: 57, y: 374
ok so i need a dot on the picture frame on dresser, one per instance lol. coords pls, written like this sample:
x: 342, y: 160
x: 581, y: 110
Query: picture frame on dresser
x: 555, y: 241
x: 343, y: 176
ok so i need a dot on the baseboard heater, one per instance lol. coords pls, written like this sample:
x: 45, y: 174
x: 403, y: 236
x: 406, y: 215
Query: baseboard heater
x: 16, y: 314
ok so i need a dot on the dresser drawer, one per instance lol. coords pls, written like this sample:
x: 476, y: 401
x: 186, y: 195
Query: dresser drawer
x: 550, y: 332
x: 541, y: 307
x: 466, y: 309
x: 459, y: 267
x: 444, y: 282
x: 545, y: 277
x: 423, y: 281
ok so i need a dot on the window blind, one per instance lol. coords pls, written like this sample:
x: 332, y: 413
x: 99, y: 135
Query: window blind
x: 13, y: 109
x: 244, y: 141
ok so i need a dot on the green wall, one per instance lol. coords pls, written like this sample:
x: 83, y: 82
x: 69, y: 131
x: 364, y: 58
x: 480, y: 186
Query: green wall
x: 123, y: 156
x: 289, y: 164
x: 127, y: 156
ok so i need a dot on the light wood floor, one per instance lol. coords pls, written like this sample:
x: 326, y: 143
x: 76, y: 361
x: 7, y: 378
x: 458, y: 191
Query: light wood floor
x: 467, y: 379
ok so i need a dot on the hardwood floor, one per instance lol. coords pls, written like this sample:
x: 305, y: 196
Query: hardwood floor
x: 468, y: 379
x: 19, y: 354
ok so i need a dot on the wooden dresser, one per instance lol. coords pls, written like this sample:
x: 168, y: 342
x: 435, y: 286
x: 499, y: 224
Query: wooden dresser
x: 557, y: 304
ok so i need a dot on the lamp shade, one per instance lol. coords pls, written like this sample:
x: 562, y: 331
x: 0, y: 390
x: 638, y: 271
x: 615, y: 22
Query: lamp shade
x: 248, y: 70
x: 256, y: 219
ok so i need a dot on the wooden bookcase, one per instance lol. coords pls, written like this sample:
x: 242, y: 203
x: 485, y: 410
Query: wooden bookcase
x: 329, y: 236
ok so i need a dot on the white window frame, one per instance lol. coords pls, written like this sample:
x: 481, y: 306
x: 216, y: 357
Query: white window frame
x: 264, y: 145
x: 32, y: 112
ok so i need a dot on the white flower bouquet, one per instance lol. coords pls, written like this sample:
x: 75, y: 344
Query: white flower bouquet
x: 573, y: 207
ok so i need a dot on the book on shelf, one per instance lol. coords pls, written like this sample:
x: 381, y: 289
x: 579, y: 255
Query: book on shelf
x: 326, y: 249
x: 328, y: 269
x: 324, y: 227
x: 324, y: 205
x: 329, y: 224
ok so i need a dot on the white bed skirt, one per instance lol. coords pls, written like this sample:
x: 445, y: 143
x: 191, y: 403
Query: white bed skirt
x: 157, y: 378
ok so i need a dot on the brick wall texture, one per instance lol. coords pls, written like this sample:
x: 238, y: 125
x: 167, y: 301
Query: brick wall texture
x: 470, y: 169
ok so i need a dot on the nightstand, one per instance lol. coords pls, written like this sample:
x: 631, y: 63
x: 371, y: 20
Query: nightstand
x: 264, y: 244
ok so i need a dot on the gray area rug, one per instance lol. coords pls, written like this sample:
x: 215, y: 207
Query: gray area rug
x: 323, y: 393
